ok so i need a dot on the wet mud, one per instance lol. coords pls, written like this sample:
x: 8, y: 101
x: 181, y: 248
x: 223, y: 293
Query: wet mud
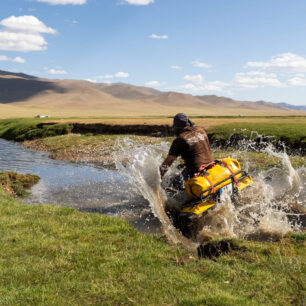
x: 215, y: 249
x: 139, y: 129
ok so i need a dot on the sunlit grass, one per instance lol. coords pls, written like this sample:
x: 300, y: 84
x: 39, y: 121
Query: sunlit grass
x: 26, y: 129
x: 292, y: 134
x: 57, y: 256
x: 100, y: 147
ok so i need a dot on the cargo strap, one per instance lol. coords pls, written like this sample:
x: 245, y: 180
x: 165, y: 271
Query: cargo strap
x: 204, y: 167
x: 201, y: 172
x: 210, y: 183
x: 232, y: 173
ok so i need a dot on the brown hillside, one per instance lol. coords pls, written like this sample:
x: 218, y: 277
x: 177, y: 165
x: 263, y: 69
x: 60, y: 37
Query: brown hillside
x: 179, y: 99
x: 228, y: 102
x: 130, y: 92
x: 83, y: 98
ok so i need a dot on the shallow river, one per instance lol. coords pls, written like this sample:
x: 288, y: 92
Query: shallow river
x: 274, y: 205
x: 81, y: 186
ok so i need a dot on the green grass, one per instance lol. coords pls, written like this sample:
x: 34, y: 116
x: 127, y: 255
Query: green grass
x: 78, y: 146
x: 28, y: 129
x: 255, y: 162
x: 239, y: 117
x: 57, y: 256
x: 292, y: 134
x: 62, y: 142
x: 88, y: 148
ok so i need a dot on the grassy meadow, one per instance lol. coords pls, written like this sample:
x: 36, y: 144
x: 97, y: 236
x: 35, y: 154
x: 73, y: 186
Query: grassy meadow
x: 293, y: 133
x: 74, y: 147
x: 25, y: 129
x: 290, y: 128
x: 54, y: 255
x: 99, y: 148
x: 57, y: 256
x: 205, y: 121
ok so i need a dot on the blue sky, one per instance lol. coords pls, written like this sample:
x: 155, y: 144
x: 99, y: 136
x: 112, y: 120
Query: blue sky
x: 244, y: 49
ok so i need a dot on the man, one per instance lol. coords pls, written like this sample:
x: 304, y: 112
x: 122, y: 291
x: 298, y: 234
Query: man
x: 192, y: 144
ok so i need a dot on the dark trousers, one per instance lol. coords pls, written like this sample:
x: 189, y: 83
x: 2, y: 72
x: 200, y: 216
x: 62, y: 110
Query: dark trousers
x: 178, y: 181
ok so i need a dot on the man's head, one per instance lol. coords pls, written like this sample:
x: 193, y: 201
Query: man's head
x: 180, y: 121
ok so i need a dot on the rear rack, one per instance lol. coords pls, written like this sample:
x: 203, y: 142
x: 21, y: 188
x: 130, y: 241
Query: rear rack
x: 196, y: 202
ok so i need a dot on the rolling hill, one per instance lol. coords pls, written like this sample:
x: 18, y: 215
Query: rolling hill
x: 30, y: 95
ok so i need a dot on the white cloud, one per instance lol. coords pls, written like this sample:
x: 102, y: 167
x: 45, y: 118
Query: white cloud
x: 64, y: 2
x: 121, y: 75
x: 19, y: 59
x: 200, y: 64
x: 106, y: 76
x: 4, y: 58
x: 155, y: 36
x: 23, y: 34
x: 188, y: 87
x: 155, y: 83
x: 21, y: 42
x: 256, y: 79
x: 198, y: 85
x: 26, y: 24
x: 271, y: 71
x: 216, y: 86
x: 57, y: 71
x: 205, y: 87
x: 175, y: 67
x: 15, y: 60
x: 112, y: 76
x: 258, y: 73
x: 270, y: 74
x: 297, y: 81
x: 71, y: 22
x: 283, y: 63
x: 195, y: 79
x: 139, y: 2
x: 91, y: 80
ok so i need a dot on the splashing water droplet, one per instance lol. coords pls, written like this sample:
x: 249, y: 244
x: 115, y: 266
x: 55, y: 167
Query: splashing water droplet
x: 268, y: 209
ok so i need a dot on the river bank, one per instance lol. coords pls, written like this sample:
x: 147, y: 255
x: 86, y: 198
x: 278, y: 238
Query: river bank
x: 79, y: 148
x: 16, y: 184
x: 229, y: 133
x: 55, y: 255
x: 96, y: 138
x: 100, y: 150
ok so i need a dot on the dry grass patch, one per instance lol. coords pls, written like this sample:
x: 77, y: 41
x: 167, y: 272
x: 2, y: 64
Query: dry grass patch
x: 204, y: 122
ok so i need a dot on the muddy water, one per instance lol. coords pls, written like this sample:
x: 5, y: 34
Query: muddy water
x: 274, y: 205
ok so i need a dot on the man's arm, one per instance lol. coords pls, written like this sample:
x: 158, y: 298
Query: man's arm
x: 166, y: 164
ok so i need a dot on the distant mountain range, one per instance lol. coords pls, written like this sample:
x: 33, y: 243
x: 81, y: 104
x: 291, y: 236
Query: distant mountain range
x: 290, y: 106
x: 87, y: 98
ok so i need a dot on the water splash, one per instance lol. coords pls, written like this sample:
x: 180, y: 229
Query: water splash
x: 272, y: 206
x: 141, y: 165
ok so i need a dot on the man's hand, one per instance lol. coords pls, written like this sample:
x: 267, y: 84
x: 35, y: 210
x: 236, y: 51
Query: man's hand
x: 166, y: 164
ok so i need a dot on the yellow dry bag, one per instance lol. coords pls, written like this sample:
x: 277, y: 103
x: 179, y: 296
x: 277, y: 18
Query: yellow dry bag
x: 224, y: 172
